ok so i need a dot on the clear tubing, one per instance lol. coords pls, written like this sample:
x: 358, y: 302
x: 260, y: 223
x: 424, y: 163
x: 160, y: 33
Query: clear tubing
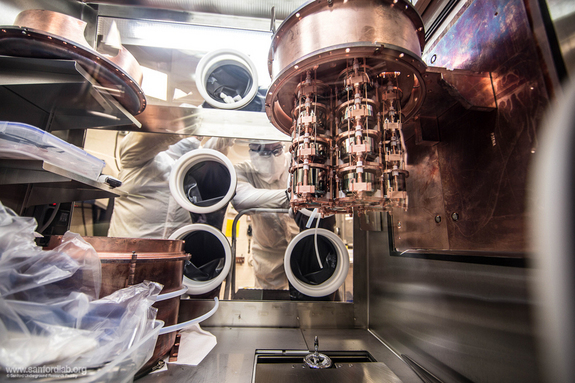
x: 179, y: 326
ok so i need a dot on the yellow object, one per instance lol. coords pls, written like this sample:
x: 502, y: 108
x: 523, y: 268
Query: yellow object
x: 229, y: 223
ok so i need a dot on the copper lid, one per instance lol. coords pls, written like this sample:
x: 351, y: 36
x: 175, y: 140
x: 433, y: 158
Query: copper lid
x: 120, y: 249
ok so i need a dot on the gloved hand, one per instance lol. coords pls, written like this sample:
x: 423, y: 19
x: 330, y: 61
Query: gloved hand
x: 221, y: 144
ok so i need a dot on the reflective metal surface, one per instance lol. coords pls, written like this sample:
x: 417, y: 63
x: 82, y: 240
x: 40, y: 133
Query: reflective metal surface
x: 455, y: 319
x: 27, y: 183
x: 31, y: 43
x: 466, y: 314
x: 11, y: 9
x: 460, y: 321
x: 124, y: 14
x: 315, y: 359
x: 562, y: 14
x: 337, y: 315
x: 232, y: 359
x: 259, y: 8
x: 55, y: 23
x: 356, y: 339
x: 342, y: 32
x: 348, y: 372
x: 206, y: 122
x: 470, y: 188
x: 56, y: 95
x: 72, y: 29
x: 350, y: 74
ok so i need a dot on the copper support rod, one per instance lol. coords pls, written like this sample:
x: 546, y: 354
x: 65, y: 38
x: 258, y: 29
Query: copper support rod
x: 132, y: 269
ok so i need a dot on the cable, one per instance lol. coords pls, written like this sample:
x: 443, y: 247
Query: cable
x: 116, y: 150
x: 52, y: 216
x: 308, y: 225
x: 315, y: 243
x: 84, y: 219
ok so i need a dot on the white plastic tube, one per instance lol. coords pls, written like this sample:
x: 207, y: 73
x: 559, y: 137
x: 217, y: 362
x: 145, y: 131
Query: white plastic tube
x: 335, y: 281
x: 179, y: 326
x: 202, y: 287
x: 215, y: 59
x: 173, y: 294
x: 185, y: 163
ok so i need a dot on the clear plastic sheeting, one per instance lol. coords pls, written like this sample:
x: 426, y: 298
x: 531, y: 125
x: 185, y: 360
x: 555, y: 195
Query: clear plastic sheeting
x: 75, y: 331
x: 50, y: 314
x: 30, y: 274
x: 23, y: 141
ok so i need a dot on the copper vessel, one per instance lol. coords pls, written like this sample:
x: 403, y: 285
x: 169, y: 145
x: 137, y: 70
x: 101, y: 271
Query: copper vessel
x: 56, y: 23
x: 40, y: 33
x: 72, y: 29
x: 128, y: 261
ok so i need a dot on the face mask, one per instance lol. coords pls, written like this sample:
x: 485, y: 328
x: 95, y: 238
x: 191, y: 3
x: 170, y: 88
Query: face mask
x: 270, y: 168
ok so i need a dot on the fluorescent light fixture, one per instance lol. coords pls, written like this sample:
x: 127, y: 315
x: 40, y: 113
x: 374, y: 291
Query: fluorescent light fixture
x: 199, y: 38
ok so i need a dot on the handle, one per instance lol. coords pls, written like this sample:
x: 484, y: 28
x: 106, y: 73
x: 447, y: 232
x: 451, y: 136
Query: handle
x: 199, y: 319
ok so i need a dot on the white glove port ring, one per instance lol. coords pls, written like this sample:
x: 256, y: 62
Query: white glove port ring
x: 187, y: 163
x: 226, y: 57
x: 186, y: 233
x: 334, y: 281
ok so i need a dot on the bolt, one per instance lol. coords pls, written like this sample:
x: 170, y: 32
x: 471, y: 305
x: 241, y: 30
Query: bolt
x: 455, y: 216
x: 438, y: 218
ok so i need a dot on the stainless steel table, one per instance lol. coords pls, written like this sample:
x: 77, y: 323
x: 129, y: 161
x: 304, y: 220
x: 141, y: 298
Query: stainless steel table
x: 232, y: 359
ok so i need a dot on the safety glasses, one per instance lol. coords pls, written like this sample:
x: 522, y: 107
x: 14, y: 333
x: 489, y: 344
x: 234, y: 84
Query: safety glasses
x: 260, y: 149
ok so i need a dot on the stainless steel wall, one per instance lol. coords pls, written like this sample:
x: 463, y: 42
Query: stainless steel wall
x: 463, y: 322
x: 562, y: 14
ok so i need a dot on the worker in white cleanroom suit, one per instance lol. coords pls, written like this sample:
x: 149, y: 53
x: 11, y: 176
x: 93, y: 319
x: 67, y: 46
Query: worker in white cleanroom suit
x: 146, y: 159
x: 262, y: 183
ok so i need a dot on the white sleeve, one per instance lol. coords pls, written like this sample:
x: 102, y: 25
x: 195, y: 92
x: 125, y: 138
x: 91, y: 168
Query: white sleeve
x: 248, y: 197
x: 138, y: 148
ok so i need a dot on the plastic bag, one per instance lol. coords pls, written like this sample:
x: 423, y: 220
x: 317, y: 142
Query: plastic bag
x: 49, y: 311
x: 75, y: 332
x: 31, y: 274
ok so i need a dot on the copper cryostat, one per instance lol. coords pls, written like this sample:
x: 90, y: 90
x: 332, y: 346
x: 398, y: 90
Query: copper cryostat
x: 346, y: 76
